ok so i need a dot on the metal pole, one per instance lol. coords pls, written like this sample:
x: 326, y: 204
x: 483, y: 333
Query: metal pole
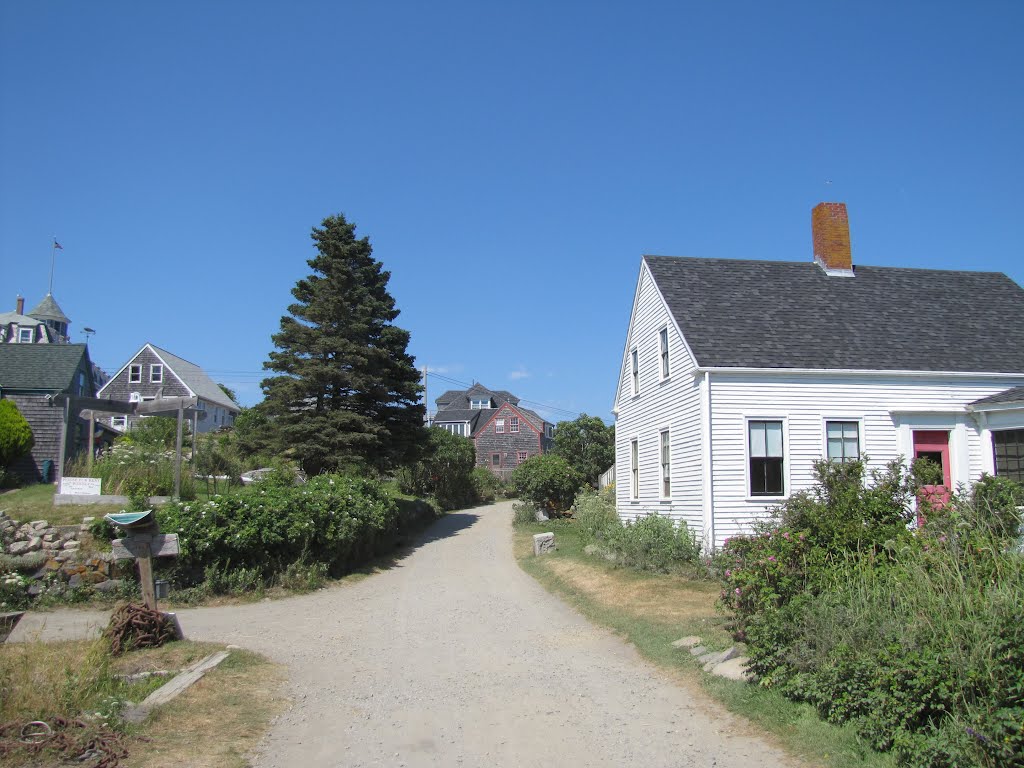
x: 53, y: 253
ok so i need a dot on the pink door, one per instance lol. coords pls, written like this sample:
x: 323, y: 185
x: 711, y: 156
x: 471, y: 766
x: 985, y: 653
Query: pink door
x: 934, y: 445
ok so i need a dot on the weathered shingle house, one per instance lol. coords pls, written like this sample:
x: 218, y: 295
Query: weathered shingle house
x: 504, y: 433
x: 737, y: 375
x: 46, y: 324
x: 32, y: 376
x: 154, y: 373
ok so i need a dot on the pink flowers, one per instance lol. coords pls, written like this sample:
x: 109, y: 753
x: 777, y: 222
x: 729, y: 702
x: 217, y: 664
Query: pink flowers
x: 771, y: 558
x: 737, y: 591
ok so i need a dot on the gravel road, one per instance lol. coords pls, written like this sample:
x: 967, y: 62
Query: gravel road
x: 455, y: 657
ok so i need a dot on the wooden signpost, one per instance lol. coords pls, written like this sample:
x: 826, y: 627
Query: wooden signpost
x: 142, y: 542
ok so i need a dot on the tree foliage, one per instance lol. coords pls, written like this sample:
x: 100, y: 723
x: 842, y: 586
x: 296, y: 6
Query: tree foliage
x: 15, y: 433
x: 548, y: 482
x: 347, y: 392
x: 587, y: 444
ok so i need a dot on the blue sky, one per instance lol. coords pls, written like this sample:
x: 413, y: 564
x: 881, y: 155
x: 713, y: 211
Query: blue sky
x: 510, y: 162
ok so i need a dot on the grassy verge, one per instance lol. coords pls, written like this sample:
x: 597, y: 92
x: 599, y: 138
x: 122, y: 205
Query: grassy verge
x: 216, y: 722
x: 35, y: 502
x: 652, y: 610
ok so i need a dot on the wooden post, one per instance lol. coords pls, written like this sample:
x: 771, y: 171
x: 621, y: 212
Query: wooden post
x: 58, y: 471
x: 92, y: 439
x: 145, y: 558
x: 177, y: 455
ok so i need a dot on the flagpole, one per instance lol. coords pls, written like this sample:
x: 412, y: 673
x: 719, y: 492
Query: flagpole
x: 53, y: 253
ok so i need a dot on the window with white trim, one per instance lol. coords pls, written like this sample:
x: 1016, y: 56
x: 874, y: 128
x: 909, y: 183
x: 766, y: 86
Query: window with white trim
x: 134, y: 374
x: 499, y: 426
x: 663, y: 344
x: 454, y: 427
x: 156, y: 374
x: 523, y: 456
x: 119, y: 422
x: 26, y: 335
x: 634, y: 470
x: 634, y: 362
x: 842, y: 440
x: 479, y: 405
x: 666, y: 466
x: 513, y: 424
x: 767, y: 463
x: 1008, y: 450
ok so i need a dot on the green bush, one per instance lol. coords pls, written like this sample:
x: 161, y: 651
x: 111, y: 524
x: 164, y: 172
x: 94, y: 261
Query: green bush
x: 653, y: 543
x: 486, y: 485
x: 137, y: 469
x: 304, y: 577
x: 15, y: 433
x: 446, y: 473
x: 595, y: 513
x: 523, y: 513
x: 547, y: 482
x: 336, y: 520
x: 155, y: 432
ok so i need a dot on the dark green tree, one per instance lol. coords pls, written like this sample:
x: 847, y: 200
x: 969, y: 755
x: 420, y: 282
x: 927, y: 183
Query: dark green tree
x: 348, y: 391
x: 587, y: 444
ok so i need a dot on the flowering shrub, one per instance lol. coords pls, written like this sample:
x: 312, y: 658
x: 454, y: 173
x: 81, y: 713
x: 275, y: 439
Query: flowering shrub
x: 763, y: 572
x: 336, y: 520
x: 137, y: 469
x: 14, y: 592
x: 547, y: 482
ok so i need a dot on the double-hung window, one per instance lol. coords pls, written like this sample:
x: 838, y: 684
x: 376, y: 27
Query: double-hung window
x: 842, y: 440
x: 666, y: 467
x: 634, y: 470
x: 499, y: 426
x: 156, y: 374
x: 663, y: 351
x: 513, y: 424
x: 1008, y: 447
x: 767, y: 464
x: 634, y: 362
x: 26, y: 335
x: 135, y: 374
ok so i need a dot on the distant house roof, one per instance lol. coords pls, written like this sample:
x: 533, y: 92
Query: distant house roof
x: 1013, y: 395
x: 48, y: 309
x: 772, y: 314
x: 44, y: 367
x: 195, y: 378
x: 459, y: 398
x: 13, y: 317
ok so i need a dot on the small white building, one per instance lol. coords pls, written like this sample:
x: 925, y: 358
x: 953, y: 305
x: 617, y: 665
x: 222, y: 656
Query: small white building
x: 737, y: 375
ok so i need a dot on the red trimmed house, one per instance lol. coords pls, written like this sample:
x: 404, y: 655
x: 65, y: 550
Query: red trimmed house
x: 505, y: 433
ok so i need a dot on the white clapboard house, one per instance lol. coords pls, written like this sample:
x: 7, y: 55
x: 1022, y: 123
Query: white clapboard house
x: 737, y: 375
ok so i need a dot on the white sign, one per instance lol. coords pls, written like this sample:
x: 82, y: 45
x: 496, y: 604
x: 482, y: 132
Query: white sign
x: 80, y: 486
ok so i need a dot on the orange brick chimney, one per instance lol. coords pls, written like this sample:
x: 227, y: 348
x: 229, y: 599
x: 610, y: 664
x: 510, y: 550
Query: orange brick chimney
x: 830, y: 228
x: 20, y: 304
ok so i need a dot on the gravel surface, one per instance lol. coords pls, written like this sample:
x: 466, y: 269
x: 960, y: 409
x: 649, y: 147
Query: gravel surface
x: 455, y: 657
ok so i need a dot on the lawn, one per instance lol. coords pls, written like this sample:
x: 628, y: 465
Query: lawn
x: 35, y: 502
x: 653, y: 610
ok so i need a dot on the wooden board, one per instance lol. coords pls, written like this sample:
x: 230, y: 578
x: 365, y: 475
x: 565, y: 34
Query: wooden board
x: 160, y: 545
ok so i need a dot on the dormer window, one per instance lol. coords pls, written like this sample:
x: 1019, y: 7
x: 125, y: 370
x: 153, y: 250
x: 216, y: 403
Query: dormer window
x: 135, y: 374
x: 26, y: 335
x: 156, y: 374
x: 478, y: 404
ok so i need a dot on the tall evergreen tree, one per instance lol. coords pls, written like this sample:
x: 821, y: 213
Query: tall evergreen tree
x: 348, y: 393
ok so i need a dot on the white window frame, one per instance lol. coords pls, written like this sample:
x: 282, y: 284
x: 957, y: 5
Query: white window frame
x: 665, y: 463
x: 31, y: 331
x: 119, y: 422
x: 156, y: 373
x: 663, y: 358
x: 499, y: 426
x: 845, y: 420
x: 479, y: 404
x: 634, y: 370
x: 762, y: 498
x: 634, y: 469
x: 135, y: 373
x: 513, y: 424
x: 523, y: 456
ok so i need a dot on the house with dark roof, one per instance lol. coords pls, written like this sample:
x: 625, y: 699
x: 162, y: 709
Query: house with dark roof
x: 504, y: 433
x: 153, y: 373
x: 45, y: 324
x: 737, y: 375
x: 33, y: 376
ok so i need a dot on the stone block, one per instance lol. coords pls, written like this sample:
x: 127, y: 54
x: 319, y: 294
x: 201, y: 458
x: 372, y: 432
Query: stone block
x: 686, y: 642
x: 18, y: 548
x: 540, y: 516
x: 75, y: 581
x: 109, y: 585
x: 734, y: 669
x: 698, y: 650
x: 73, y: 544
x: 39, y: 524
x: 712, y: 660
x: 543, y: 543
x: 93, y: 577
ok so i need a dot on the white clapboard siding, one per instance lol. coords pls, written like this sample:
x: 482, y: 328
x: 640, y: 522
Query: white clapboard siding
x: 888, y: 407
x: 672, y: 404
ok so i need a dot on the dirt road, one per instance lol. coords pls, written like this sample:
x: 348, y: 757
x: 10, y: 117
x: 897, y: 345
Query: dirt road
x: 455, y: 657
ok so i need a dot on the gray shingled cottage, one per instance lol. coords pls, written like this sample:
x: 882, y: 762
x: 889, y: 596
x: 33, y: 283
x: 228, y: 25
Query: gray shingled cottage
x: 32, y: 376
x: 737, y: 375
x: 504, y: 433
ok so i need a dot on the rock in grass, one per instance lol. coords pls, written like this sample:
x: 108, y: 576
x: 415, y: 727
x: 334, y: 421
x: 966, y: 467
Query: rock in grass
x: 686, y: 642
x: 697, y: 650
x: 734, y: 669
x: 712, y: 660
x: 543, y: 543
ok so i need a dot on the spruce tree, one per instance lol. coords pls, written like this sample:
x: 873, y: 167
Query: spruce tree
x: 348, y: 393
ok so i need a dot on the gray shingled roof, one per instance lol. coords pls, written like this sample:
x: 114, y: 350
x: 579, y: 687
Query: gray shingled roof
x: 533, y: 417
x: 475, y: 417
x: 48, y: 309
x: 1014, y: 395
x: 46, y: 367
x: 195, y: 378
x: 771, y: 314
